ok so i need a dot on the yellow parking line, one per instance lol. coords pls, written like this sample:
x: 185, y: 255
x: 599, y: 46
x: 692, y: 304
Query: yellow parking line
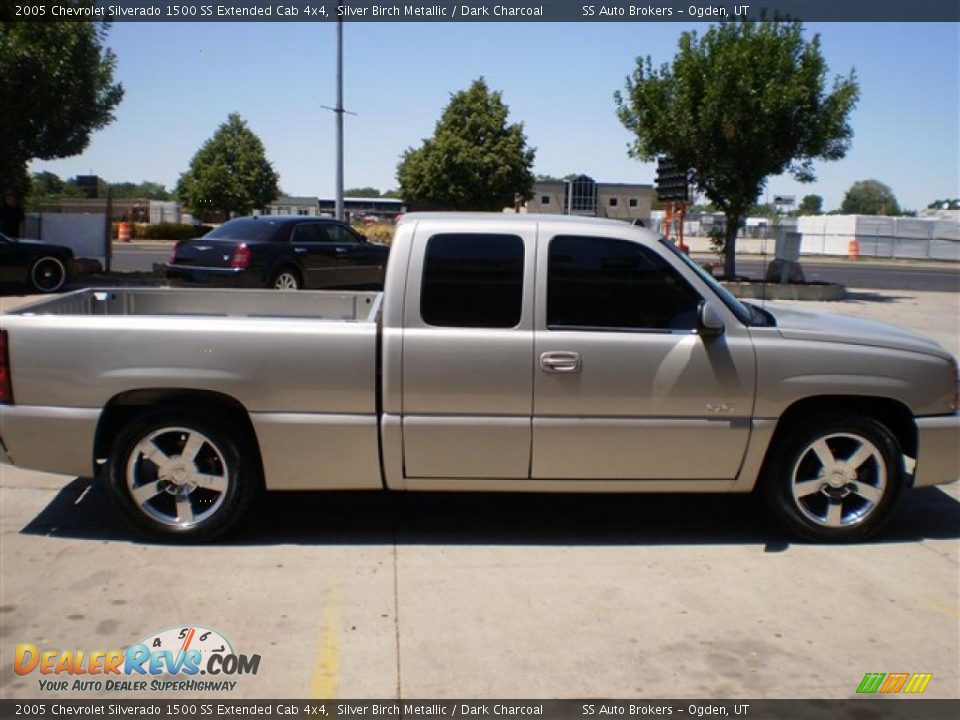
x: 326, y: 666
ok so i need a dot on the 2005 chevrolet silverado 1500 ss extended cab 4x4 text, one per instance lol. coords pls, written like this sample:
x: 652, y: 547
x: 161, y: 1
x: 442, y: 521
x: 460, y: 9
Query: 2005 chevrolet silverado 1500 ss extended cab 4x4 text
x: 506, y: 353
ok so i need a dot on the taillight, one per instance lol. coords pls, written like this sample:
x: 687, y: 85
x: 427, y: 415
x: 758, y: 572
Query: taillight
x: 241, y: 258
x: 6, y: 388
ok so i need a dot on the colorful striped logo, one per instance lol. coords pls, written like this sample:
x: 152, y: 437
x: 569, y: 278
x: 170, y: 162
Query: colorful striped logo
x: 894, y: 683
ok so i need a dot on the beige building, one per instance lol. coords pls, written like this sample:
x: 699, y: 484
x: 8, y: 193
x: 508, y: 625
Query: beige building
x: 583, y: 196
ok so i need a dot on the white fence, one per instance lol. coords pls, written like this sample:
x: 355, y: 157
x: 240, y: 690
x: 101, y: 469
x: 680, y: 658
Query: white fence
x: 162, y: 211
x: 84, y: 233
x: 882, y: 237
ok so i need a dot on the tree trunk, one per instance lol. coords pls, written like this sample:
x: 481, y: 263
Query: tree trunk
x: 730, y: 245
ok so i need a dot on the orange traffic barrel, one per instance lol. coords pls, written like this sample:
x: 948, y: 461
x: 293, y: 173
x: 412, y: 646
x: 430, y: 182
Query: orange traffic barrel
x: 123, y: 232
x: 853, y: 249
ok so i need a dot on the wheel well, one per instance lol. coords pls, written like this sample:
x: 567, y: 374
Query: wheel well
x: 124, y: 408
x: 286, y: 265
x: 893, y: 414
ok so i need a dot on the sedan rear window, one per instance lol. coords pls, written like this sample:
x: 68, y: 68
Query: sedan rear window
x: 244, y: 230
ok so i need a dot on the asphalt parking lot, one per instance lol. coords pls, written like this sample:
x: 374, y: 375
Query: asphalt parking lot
x: 480, y: 596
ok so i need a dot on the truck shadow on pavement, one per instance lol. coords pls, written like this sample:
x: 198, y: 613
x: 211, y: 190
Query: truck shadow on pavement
x: 82, y: 511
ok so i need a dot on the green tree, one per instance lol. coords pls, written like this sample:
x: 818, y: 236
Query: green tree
x: 740, y: 103
x: 230, y: 173
x: 811, y: 205
x: 474, y: 161
x: 145, y: 190
x: 869, y: 197
x: 57, y: 89
x: 362, y: 192
x: 946, y: 204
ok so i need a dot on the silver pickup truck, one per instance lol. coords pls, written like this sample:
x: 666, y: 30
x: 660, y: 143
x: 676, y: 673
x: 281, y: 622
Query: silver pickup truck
x: 506, y: 353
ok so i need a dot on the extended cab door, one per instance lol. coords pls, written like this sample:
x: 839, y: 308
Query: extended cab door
x: 468, y: 352
x: 625, y: 388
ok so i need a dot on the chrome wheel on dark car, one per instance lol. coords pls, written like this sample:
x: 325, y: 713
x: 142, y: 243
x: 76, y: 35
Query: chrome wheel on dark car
x: 48, y: 274
x: 285, y: 280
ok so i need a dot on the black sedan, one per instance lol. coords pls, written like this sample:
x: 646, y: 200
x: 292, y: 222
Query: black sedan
x: 283, y: 252
x: 42, y: 266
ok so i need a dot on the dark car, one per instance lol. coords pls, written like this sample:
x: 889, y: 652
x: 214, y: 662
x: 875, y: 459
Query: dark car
x: 42, y: 266
x: 283, y: 252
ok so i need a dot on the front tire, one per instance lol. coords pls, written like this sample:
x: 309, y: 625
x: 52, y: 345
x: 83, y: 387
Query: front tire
x: 48, y: 274
x: 835, y: 480
x: 179, y: 476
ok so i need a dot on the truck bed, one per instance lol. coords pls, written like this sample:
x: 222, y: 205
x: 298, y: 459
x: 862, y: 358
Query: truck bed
x: 302, y: 365
x: 341, y: 306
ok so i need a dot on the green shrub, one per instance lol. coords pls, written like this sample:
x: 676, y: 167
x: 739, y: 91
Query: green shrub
x: 162, y: 231
x: 170, y: 231
x: 379, y: 233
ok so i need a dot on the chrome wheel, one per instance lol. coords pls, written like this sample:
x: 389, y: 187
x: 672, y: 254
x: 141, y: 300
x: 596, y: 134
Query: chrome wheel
x: 286, y: 280
x: 839, y: 480
x: 48, y: 274
x: 177, y: 476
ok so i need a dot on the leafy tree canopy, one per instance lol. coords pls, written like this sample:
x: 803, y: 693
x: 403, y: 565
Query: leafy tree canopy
x: 145, y: 190
x: 362, y: 192
x: 811, y: 205
x: 57, y: 89
x: 474, y: 161
x: 230, y: 173
x: 869, y: 197
x: 740, y: 103
x: 47, y: 187
x: 945, y: 204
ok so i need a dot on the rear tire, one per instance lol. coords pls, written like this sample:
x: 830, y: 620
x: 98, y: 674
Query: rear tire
x: 181, y: 476
x: 48, y: 274
x: 837, y: 479
x: 285, y: 279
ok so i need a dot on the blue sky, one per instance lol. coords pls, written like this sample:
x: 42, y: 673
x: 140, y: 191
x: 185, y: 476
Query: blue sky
x: 183, y: 79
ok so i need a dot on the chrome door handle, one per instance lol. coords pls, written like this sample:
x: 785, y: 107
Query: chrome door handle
x: 340, y: 251
x: 300, y: 250
x: 560, y: 362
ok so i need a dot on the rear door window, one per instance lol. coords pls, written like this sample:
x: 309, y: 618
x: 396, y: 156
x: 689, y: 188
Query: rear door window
x: 472, y: 280
x: 308, y: 233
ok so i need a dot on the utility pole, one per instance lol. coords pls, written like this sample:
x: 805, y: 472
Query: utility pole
x: 339, y: 112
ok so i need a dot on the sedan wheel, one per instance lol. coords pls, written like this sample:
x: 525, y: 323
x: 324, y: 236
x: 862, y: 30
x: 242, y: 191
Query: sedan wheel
x: 48, y: 274
x: 286, y: 280
x: 835, y: 480
x: 177, y: 475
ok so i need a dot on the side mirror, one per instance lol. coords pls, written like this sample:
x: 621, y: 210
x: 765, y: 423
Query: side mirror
x: 709, y: 320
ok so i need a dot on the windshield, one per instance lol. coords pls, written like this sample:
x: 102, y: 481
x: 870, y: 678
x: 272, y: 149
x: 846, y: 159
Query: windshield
x: 743, y: 312
x: 243, y: 230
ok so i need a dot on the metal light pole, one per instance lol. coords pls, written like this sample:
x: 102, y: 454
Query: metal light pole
x: 339, y: 113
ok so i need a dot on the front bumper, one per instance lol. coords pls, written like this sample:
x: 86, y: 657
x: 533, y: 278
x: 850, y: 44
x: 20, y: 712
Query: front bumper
x: 938, y: 450
x: 213, y: 276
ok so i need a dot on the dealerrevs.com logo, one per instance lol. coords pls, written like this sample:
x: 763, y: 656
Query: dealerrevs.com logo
x: 166, y: 661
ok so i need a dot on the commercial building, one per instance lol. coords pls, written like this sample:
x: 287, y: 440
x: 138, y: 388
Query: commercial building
x: 582, y: 195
